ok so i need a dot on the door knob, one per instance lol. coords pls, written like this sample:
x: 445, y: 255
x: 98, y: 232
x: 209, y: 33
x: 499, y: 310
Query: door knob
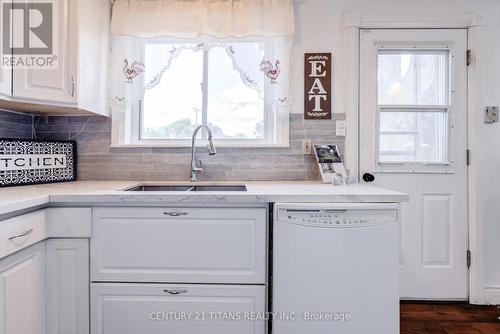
x: 367, y: 177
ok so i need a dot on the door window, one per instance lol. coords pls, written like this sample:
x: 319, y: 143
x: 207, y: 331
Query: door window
x: 413, y: 106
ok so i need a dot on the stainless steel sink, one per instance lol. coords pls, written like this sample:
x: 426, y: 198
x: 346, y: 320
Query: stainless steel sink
x: 188, y: 188
x: 220, y: 188
x: 160, y: 188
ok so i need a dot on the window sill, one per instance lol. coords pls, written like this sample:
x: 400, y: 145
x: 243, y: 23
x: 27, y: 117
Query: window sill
x: 201, y: 144
x: 415, y: 168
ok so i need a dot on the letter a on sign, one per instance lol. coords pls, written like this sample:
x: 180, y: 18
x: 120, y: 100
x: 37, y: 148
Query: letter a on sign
x: 318, y: 86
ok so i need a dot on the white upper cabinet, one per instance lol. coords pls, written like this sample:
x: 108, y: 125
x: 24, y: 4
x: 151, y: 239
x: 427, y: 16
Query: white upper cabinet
x: 5, y: 73
x: 54, y: 85
x: 77, y: 81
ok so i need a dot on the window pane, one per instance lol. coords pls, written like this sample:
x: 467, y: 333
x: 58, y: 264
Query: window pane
x: 398, y: 121
x: 172, y: 108
x: 413, y: 136
x: 413, y: 77
x: 235, y: 110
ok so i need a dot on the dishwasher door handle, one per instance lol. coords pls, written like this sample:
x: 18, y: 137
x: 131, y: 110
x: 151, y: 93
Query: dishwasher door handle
x: 175, y: 213
x: 175, y: 291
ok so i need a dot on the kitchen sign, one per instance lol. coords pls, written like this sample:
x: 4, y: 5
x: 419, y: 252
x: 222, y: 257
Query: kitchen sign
x: 318, y: 86
x: 36, y: 161
x: 29, y: 161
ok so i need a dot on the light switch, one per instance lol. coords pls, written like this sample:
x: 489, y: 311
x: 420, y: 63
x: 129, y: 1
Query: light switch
x: 491, y: 114
x: 340, y: 128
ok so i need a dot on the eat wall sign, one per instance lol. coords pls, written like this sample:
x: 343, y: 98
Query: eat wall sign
x: 318, y: 86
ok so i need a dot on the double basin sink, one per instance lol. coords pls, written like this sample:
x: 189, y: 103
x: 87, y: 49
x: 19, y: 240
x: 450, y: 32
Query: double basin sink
x: 188, y: 188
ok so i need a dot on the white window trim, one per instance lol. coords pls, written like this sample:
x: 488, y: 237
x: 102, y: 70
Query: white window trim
x: 276, y: 132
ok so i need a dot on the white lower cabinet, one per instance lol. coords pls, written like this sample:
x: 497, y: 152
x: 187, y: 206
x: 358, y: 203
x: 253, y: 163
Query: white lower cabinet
x: 44, y: 288
x: 44, y: 272
x: 22, y: 291
x: 189, y: 270
x: 176, y: 244
x: 67, y: 273
x: 176, y: 308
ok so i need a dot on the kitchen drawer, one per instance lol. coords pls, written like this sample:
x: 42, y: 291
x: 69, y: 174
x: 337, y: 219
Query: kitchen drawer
x: 196, y: 245
x: 150, y: 308
x: 22, y: 231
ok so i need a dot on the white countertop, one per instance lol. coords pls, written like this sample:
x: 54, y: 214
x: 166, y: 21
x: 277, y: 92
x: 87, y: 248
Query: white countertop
x: 111, y: 192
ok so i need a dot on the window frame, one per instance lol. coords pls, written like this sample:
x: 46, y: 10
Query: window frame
x: 276, y: 130
x: 417, y: 167
x: 415, y: 110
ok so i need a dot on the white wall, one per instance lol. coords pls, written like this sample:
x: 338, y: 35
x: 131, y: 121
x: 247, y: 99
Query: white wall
x: 319, y: 28
x: 488, y: 155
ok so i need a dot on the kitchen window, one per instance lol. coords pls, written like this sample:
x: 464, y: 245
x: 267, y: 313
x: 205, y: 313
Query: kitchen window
x: 237, y: 88
x: 413, y: 104
x: 206, y: 86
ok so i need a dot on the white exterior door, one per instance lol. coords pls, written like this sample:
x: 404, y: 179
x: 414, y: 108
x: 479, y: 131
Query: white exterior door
x: 413, y: 138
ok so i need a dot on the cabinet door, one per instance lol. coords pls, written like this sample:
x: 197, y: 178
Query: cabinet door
x: 22, y: 292
x: 5, y: 71
x: 198, y: 245
x: 67, y: 286
x: 174, y: 308
x: 54, y: 85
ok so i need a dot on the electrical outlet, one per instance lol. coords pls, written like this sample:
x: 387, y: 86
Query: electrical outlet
x: 306, y: 146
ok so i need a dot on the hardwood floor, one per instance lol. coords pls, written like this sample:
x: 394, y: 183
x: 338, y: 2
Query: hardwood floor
x: 447, y: 318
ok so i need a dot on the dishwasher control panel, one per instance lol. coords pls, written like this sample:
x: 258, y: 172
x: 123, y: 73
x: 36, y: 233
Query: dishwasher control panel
x: 337, y: 217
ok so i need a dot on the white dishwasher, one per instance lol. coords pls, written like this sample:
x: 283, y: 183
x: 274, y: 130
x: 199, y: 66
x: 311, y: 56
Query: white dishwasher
x: 335, y: 268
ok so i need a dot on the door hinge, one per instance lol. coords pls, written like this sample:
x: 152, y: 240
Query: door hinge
x: 469, y: 256
x: 468, y: 157
x: 469, y: 57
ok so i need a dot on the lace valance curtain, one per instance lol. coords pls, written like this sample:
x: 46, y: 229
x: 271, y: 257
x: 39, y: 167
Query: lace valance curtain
x: 194, y: 18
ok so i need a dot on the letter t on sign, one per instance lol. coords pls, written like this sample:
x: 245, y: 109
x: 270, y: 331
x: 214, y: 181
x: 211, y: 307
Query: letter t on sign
x: 318, y: 86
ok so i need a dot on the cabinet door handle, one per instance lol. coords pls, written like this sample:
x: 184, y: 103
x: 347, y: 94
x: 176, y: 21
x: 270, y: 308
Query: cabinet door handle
x: 175, y: 291
x: 25, y: 233
x: 73, y: 87
x: 175, y: 213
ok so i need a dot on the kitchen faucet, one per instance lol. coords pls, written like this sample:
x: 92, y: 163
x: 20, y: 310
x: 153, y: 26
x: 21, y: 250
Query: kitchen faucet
x: 197, y: 168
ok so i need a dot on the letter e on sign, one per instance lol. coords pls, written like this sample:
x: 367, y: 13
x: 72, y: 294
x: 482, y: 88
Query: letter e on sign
x: 318, y: 86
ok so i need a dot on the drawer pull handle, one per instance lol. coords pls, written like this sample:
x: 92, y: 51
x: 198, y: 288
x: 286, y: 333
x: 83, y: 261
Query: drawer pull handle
x: 175, y: 291
x: 25, y: 233
x: 175, y: 213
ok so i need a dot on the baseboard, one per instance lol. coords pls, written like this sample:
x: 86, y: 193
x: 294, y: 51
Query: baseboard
x: 492, y: 295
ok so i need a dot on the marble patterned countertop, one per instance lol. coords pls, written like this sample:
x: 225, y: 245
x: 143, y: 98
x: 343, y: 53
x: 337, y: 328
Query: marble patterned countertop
x: 112, y: 193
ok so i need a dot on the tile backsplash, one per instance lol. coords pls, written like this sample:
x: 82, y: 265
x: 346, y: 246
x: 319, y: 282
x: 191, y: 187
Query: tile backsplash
x: 97, y: 160
x: 14, y: 125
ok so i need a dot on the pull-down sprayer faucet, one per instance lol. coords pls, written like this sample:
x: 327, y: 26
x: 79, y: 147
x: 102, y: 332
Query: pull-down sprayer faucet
x: 196, y: 167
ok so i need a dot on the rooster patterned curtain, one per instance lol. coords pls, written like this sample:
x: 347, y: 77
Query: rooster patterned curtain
x: 149, y: 35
